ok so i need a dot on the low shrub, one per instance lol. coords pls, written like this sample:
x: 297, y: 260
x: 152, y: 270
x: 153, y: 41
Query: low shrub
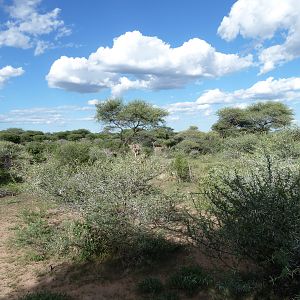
x: 36, y: 233
x: 114, y: 201
x: 10, y: 137
x: 72, y: 153
x: 36, y: 150
x: 254, y: 215
x: 283, y: 144
x: 12, y: 161
x: 181, y: 167
x: 236, y: 285
x: 244, y: 143
x: 150, y: 285
x: 190, y: 279
x: 187, y: 146
x: 152, y: 247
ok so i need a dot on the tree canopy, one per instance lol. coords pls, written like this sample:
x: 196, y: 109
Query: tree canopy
x: 137, y: 115
x: 258, y: 117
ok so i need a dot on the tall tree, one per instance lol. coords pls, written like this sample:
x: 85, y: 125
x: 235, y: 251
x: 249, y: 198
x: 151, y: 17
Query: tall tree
x: 136, y: 116
x: 258, y: 117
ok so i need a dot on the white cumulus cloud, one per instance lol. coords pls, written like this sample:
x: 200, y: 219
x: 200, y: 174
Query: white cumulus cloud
x: 136, y: 61
x: 8, y: 72
x: 262, y: 20
x: 284, y: 89
x: 26, y: 25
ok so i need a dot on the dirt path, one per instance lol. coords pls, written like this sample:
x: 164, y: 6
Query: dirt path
x: 14, y: 273
x: 6, y: 264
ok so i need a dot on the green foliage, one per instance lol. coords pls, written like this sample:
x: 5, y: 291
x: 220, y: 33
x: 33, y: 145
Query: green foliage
x: 190, y: 279
x: 193, y: 141
x: 258, y: 117
x: 284, y: 144
x: 235, y: 147
x: 80, y: 241
x: 36, y: 150
x: 234, y: 285
x: 181, y: 166
x: 136, y: 115
x: 32, y: 135
x: 149, y: 247
x: 40, y: 137
x: 150, y: 285
x: 62, y: 135
x: 11, y: 162
x: 192, y: 134
x: 253, y: 215
x: 115, y: 201
x: 47, y: 295
x: 71, y: 153
x: 10, y: 137
x: 153, y: 137
x: 17, y: 136
x: 188, y: 146
x: 36, y: 233
x: 75, y: 137
x: 189, y: 140
x: 4, y: 176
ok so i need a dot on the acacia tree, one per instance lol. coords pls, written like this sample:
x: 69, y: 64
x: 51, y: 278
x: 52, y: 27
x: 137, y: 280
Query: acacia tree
x: 136, y: 116
x: 258, y: 117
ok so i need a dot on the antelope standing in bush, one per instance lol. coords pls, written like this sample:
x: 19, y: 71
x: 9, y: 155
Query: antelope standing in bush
x: 136, y: 149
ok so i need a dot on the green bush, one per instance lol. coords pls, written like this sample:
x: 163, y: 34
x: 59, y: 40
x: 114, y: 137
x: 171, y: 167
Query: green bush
x: 39, y: 137
x: 36, y: 150
x: 116, y: 202
x: 181, y: 167
x: 190, y: 279
x: 241, y: 144
x: 254, y: 214
x: 187, y: 146
x: 98, y: 153
x: 152, y: 247
x: 12, y: 160
x: 150, y: 285
x: 210, y: 143
x: 284, y: 144
x: 75, y: 137
x: 235, y: 285
x: 197, y: 141
x: 72, y: 153
x: 10, y: 137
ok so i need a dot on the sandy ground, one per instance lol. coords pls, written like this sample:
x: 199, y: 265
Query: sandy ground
x: 90, y: 281
x: 14, y: 273
x: 18, y: 276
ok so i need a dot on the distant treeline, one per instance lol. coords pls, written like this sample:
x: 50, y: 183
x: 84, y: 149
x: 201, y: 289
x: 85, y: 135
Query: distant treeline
x: 19, y: 136
x: 140, y: 122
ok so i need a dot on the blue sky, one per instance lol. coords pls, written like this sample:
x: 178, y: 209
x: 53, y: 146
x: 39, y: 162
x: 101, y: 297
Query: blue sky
x: 58, y: 58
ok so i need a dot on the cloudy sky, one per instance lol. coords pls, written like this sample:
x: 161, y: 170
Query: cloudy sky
x: 58, y: 58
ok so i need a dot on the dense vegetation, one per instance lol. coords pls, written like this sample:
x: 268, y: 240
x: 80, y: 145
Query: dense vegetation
x: 233, y: 193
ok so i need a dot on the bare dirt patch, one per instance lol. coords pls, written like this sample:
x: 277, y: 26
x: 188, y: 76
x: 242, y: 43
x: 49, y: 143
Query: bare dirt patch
x: 85, y: 281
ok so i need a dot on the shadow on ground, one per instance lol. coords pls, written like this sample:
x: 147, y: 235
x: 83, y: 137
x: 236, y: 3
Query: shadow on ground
x: 93, y: 281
